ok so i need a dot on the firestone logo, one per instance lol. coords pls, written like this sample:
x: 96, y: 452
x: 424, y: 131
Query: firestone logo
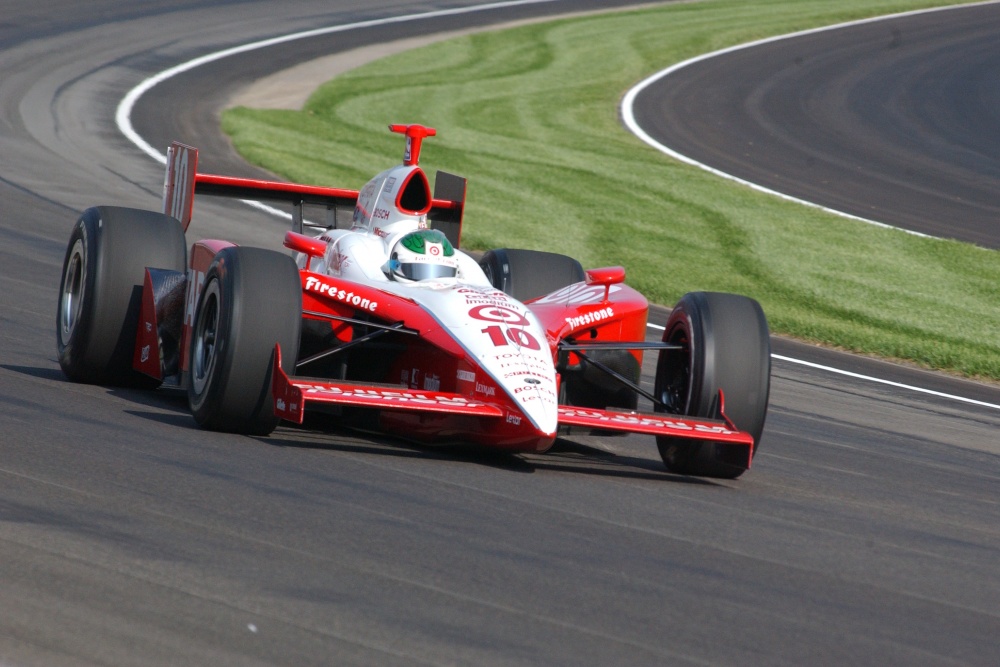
x: 591, y: 318
x: 350, y: 298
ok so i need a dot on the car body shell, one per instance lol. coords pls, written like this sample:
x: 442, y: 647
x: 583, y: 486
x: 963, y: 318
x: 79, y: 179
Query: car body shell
x: 460, y: 360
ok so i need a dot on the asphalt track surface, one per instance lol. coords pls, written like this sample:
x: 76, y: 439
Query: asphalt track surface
x: 866, y: 533
x: 893, y: 121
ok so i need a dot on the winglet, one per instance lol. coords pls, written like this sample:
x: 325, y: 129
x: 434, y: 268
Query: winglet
x: 178, y: 182
x: 415, y: 134
x: 289, y: 402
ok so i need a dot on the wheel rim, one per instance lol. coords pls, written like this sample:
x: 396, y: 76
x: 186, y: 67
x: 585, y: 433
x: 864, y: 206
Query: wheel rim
x: 72, y: 290
x: 206, y: 333
x: 675, y: 378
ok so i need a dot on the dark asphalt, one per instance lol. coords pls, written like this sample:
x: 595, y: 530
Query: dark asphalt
x: 866, y: 533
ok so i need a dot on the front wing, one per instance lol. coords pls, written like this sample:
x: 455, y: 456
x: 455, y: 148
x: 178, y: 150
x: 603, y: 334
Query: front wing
x: 291, y: 395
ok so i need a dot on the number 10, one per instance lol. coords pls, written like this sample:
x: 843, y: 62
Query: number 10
x: 519, y: 337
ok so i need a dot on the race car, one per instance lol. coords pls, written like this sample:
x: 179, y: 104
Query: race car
x: 379, y: 318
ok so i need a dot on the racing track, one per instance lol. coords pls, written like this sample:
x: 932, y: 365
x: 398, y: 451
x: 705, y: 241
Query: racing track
x: 892, y: 120
x: 866, y: 533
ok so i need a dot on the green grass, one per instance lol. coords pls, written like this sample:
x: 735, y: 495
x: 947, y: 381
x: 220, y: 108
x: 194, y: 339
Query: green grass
x: 530, y: 116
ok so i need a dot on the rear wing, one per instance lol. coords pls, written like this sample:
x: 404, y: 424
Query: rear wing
x: 182, y: 182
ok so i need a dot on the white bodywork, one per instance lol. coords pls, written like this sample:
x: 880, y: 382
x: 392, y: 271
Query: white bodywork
x: 500, y: 333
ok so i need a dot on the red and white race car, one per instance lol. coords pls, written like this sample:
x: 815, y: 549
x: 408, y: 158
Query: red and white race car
x: 380, y: 317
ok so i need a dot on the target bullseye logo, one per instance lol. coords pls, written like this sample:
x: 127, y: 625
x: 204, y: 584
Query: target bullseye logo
x: 490, y: 313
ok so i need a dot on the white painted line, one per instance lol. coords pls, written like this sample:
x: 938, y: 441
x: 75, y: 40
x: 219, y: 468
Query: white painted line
x: 123, y: 115
x: 899, y: 385
x: 869, y: 378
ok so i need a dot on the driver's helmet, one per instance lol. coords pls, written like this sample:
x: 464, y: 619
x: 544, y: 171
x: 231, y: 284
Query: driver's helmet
x: 423, y: 255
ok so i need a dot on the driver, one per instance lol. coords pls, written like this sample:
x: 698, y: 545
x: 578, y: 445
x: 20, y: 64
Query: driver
x: 422, y: 255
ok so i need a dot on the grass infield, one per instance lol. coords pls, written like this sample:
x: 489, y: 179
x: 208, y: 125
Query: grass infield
x: 530, y: 116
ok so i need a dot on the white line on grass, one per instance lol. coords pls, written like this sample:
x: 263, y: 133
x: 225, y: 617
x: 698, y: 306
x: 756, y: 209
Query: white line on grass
x: 628, y: 114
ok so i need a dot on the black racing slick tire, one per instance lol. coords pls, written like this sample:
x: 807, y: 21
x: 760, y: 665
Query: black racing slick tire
x: 529, y: 274
x: 100, y: 293
x: 251, y: 299
x: 724, y: 344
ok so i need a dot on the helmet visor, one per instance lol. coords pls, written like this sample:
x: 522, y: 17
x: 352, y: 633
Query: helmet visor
x: 424, y: 271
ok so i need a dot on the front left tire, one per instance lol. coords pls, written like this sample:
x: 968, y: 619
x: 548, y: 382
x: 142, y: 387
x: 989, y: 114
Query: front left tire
x: 251, y: 299
x: 724, y: 343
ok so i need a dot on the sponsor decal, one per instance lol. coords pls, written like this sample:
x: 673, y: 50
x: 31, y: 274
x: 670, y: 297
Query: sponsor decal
x: 432, y: 382
x: 390, y: 183
x: 640, y: 420
x: 514, y: 374
x: 485, y: 300
x: 485, y: 389
x: 590, y: 318
x: 484, y: 296
x: 534, y: 388
x: 491, y: 313
x: 344, y: 296
x: 368, y: 190
x: 508, y: 359
x: 144, y: 354
x: 466, y: 376
x: 513, y: 419
x: 397, y: 395
x: 280, y: 404
x: 578, y: 294
x: 381, y: 214
x: 339, y: 261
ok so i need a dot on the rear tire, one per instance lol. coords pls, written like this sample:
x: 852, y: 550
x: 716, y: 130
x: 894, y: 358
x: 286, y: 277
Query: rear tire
x: 100, y: 292
x: 529, y: 274
x: 725, y: 345
x: 252, y: 299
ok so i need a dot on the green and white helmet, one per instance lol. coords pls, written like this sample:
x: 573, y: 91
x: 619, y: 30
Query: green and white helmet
x: 423, y: 255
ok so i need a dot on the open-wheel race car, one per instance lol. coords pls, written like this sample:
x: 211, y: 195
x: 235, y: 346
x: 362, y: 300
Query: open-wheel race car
x: 378, y: 317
